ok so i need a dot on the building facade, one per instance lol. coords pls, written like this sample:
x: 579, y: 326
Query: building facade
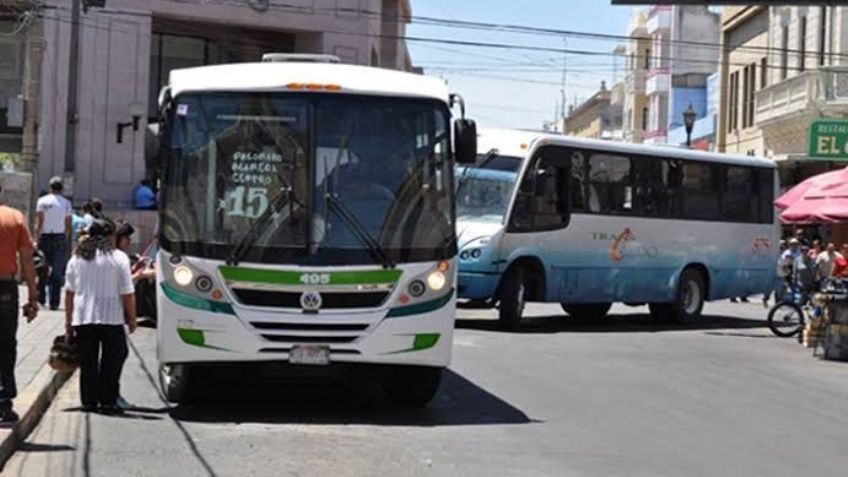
x: 637, y: 64
x: 744, y: 71
x: 12, y: 61
x: 781, y: 69
x: 703, y: 135
x: 682, y: 57
x: 128, y: 48
x: 806, y: 79
x: 598, y: 117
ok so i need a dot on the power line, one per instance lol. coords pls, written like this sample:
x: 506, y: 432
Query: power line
x: 486, y: 26
x: 517, y: 28
x: 202, y: 32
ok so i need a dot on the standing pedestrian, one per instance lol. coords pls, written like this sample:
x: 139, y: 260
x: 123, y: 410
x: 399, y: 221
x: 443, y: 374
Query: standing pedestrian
x: 143, y: 196
x: 15, y: 247
x: 53, y: 229
x: 100, y: 289
x: 816, y: 249
x: 78, y: 225
x: 88, y: 214
x: 826, y: 261
x: 840, y: 263
x: 97, y: 208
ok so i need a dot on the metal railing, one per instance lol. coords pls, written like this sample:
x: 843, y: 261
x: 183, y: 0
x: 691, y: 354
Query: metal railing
x: 833, y: 84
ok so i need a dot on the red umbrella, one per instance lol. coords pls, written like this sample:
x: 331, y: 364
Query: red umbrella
x: 799, y: 191
x: 820, y: 199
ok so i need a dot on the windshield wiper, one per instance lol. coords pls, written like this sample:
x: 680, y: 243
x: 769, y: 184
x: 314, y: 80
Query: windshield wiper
x: 262, y: 222
x: 463, y: 179
x: 355, y: 225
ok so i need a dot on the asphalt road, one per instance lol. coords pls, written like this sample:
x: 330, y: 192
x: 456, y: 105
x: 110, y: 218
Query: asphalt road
x: 564, y: 396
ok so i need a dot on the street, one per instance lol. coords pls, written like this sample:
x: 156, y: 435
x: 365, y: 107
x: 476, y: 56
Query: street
x: 565, y: 396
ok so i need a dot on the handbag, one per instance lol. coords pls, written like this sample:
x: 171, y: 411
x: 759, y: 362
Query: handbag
x: 64, y: 356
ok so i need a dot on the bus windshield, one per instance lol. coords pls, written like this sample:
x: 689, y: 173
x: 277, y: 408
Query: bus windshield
x: 232, y: 156
x: 485, y: 192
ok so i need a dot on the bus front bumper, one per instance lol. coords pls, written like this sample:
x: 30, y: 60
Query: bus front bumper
x: 415, y: 335
x: 477, y: 286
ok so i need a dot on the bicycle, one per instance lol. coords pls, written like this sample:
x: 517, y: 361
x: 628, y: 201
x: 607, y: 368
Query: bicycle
x: 788, y: 316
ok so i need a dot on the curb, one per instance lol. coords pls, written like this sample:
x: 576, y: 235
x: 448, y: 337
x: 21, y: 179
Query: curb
x: 34, y: 400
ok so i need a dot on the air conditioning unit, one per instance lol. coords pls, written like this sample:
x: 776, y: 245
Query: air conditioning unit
x: 299, y: 58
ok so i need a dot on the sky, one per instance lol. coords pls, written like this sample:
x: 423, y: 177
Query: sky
x: 514, y: 88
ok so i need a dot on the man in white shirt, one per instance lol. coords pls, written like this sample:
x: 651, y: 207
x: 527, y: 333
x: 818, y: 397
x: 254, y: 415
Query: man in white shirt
x: 53, y: 229
x: 825, y: 262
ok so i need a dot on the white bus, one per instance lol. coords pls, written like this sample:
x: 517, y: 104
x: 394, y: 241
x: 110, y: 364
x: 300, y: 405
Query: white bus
x: 307, y: 217
x: 587, y: 223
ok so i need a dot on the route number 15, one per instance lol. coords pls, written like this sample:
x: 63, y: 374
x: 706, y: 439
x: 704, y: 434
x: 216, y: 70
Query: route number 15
x: 247, y: 202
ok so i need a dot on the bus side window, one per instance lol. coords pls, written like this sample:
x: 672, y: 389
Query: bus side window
x: 649, y: 189
x: 577, y: 182
x: 766, y: 189
x: 701, y: 191
x: 738, y: 188
x: 610, y: 189
x: 542, y: 200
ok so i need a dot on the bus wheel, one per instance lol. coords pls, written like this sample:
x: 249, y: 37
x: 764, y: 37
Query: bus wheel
x: 691, y: 294
x: 512, y: 294
x: 174, y: 381
x: 587, y: 310
x: 411, y: 386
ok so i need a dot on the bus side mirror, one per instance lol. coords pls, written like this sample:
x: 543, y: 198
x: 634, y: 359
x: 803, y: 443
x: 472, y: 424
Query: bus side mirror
x: 465, y: 137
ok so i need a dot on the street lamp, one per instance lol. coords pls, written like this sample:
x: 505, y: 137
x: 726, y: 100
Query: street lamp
x: 689, y: 121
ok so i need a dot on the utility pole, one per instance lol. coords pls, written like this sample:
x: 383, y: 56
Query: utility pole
x: 32, y: 82
x: 73, y: 79
x: 561, y: 119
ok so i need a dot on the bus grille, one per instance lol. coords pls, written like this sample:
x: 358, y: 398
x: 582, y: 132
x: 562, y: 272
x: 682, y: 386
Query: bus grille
x: 280, y: 332
x: 330, y: 301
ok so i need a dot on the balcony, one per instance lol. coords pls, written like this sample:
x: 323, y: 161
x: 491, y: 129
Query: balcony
x: 788, y: 99
x: 833, y: 90
x: 635, y: 81
x: 658, y: 82
x: 659, y: 18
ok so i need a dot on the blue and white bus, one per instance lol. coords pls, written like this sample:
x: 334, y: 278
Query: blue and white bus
x: 587, y: 223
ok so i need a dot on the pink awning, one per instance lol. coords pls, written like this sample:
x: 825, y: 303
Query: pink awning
x: 819, y: 199
x: 799, y: 191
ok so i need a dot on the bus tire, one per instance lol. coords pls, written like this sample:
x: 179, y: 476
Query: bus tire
x: 691, y: 295
x: 592, y: 311
x: 411, y: 386
x: 174, y: 379
x: 513, y: 296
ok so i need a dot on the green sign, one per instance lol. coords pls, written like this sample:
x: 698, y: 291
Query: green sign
x: 828, y: 140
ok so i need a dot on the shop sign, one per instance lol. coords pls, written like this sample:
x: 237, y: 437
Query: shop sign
x: 828, y: 140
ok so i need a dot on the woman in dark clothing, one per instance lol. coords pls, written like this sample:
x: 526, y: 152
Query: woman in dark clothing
x: 99, y: 285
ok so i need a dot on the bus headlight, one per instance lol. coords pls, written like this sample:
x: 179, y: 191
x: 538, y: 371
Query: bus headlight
x: 436, y: 280
x: 203, y: 284
x: 416, y: 288
x: 183, y: 276
x: 476, y: 253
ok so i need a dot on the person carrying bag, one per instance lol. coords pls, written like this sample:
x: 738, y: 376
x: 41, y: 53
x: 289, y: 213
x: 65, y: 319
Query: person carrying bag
x: 99, y: 286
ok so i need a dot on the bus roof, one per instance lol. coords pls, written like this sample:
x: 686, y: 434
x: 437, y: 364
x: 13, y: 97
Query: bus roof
x: 275, y: 76
x: 512, y: 142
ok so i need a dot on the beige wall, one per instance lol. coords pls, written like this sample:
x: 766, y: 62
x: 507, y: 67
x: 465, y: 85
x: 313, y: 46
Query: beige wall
x: 593, y: 129
x: 586, y: 122
x: 740, y: 139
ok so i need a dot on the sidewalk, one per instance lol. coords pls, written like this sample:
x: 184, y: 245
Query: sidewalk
x: 37, y: 382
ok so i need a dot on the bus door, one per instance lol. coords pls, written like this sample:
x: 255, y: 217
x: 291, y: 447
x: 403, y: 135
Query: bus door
x: 540, y: 214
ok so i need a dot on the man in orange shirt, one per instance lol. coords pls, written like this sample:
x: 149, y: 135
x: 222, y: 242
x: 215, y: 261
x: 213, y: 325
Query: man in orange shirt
x: 15, y: 247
